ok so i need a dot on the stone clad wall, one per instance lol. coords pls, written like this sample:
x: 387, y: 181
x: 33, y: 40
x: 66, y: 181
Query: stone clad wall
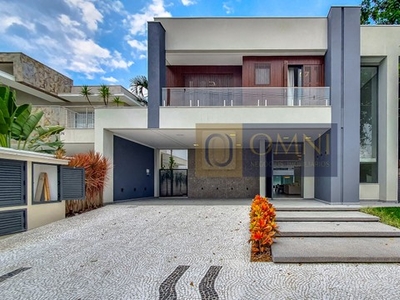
x: 28, y: 71
x: 219, y: 187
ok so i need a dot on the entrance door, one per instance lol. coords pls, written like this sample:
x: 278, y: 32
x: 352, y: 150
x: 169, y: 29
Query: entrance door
x: 286, y: 173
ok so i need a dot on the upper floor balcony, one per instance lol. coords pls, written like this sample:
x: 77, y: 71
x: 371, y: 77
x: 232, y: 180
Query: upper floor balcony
x: 246, y: 96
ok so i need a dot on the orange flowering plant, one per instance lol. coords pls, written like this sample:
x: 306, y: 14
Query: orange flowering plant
x: 263, y: 227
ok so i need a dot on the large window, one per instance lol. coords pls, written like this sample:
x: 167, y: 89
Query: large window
x: 369, y: 125
x: 84, y: 120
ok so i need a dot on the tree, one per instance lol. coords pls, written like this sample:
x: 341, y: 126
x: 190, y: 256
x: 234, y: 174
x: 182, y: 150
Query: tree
x: 105, y: 93
x: 86, y: 92
x: 139, y: 87
x: 380, y: 12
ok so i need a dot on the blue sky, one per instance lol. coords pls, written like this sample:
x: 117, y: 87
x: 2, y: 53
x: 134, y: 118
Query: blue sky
x: 105, y: 41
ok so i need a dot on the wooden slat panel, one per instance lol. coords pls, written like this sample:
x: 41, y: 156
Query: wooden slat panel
x: 279, y: 68
x: 176, y: 74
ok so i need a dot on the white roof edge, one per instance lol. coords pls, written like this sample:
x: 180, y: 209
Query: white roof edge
x: 10, y: 153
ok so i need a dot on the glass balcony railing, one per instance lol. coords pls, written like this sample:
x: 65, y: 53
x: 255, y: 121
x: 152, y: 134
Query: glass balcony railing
x: 243, y: 96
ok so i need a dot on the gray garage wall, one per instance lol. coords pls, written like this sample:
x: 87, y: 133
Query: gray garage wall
x: 130, y: 163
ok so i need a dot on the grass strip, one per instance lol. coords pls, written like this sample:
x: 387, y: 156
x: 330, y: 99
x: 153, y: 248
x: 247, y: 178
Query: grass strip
x: 387, y: 215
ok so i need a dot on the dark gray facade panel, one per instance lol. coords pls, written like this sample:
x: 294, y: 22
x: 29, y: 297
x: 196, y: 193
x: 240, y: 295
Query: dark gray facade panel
x: 343, y: 76
x: 156, y: 71
x: 12, y: 182
x: 335, y: 44
x: 71, y: 183
x: 323, y: 175
x: 351, y: 105
x: 131, y: 160
x: 12, y: 221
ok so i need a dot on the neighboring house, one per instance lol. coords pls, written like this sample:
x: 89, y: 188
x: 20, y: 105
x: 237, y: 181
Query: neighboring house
x: 55, y: 94
x: 263, y: 102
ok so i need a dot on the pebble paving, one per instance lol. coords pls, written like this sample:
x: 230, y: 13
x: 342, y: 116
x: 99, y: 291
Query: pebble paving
x: 128, y: 251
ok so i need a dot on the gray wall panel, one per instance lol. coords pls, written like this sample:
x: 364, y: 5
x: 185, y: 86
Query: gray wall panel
x: 351, y: 105
x: 130, y: 163
x: 156, y: 71
x: 343, y: 76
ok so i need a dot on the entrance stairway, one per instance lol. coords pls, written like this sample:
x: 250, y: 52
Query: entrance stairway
x: 317, y: 233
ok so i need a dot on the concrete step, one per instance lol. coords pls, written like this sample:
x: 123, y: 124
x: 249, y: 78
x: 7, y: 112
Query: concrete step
x: 336, y: 250
x: 337, y: 229
x: 324, y: 216
x: 318, y: 208
x: 309, y: 205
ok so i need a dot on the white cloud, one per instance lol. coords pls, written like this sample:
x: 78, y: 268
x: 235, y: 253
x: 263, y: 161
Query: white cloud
x: 117, y: 62
x: 142, y: 56
x: 109, y: 79
x: 188, y: 2
x: 137, y: 22
x: 228, y: 8
x: 90, y: 15
x: 68, y: 35
x: 86, y: 67
x: 112, y: 6
x: 88, y: 48
x: 71, y: 25
x: 138, y: 45
x: 7, y: 21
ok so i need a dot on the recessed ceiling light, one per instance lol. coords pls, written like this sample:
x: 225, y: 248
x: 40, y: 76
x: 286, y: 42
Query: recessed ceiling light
x: 285, y: 137
x: 232, y: 134
x: 238, y: 145
x: 196, y: 145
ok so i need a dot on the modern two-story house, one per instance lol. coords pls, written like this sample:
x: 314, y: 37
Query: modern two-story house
x: 307, y: 107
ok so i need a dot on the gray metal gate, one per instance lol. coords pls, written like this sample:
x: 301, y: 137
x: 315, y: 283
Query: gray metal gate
x: 173, y: 182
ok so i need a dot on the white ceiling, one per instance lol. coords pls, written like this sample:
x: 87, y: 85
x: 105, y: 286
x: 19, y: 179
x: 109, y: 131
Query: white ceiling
x: 186, y: 138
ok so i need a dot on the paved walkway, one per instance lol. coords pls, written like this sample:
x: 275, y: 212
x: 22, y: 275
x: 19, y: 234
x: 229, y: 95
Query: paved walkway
x: 141, y: 252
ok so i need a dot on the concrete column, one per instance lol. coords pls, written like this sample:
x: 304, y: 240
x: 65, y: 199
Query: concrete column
x: 307, y: 172
x: 388, y: 130
x: 156, y: 71
x: 157, y: 165
x: 343, y: 76
x: 263, y: 161
x: 104, y: 144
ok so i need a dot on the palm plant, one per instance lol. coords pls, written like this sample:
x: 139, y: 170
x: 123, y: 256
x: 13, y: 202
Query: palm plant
x: 86, y: 92
x: 105, y: 93
x: 117, y: 100
x: 139, y: 86
x: 96, y: 170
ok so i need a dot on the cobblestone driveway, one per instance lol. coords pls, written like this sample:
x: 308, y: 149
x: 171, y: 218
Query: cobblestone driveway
x: 176, y: 252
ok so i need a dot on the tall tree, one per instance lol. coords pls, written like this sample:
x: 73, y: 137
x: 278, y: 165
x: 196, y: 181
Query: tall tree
x: 380, y: 12
x: 139, y: 86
